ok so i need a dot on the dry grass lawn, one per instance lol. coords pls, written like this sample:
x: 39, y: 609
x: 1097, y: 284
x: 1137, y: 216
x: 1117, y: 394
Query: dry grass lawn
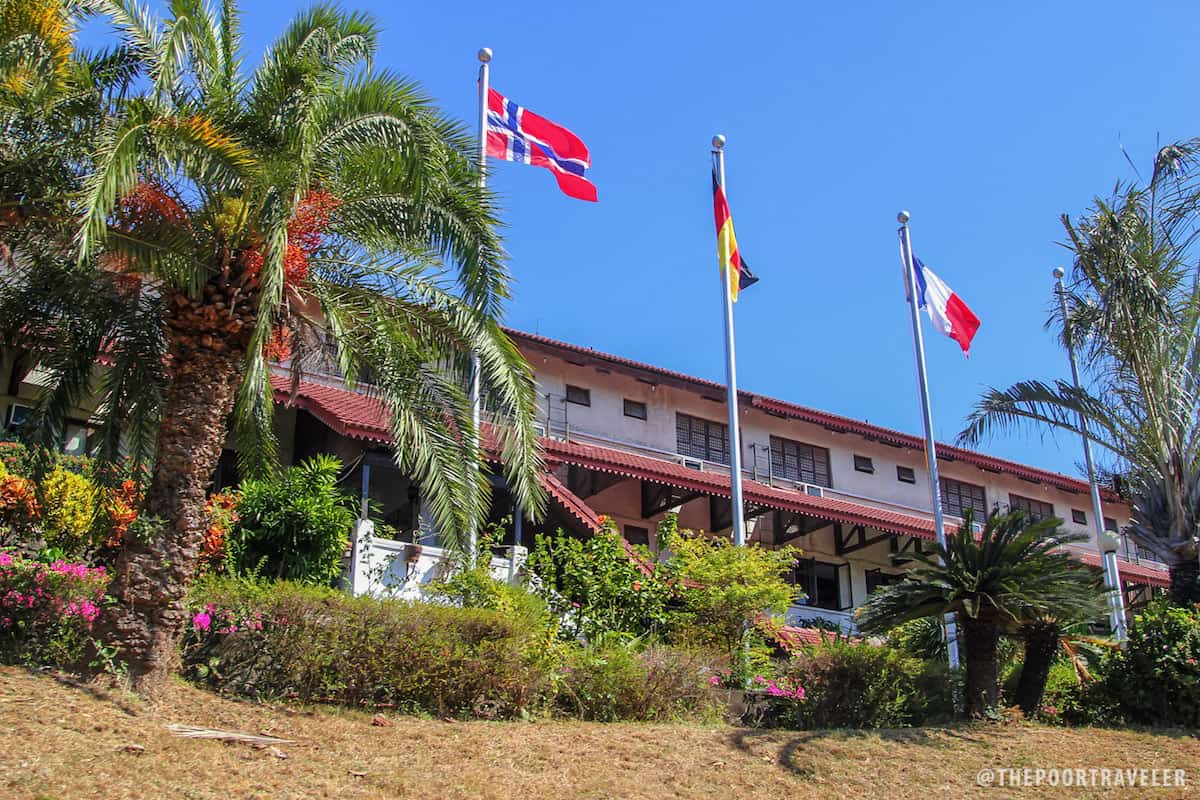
x: 63, y: 742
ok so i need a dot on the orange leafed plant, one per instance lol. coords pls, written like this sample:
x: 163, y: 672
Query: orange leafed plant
x: 18, y: 498
x: 121, y: 506
x: 221, y: 510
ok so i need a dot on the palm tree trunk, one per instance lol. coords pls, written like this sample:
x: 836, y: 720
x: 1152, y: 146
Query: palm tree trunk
x: 1041, y: 646
x: 981, y: 637
x: 151, y: 575
x: 1185, y: 582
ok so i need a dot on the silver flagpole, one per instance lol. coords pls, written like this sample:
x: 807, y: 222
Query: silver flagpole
x: 935, y: 494
x: 1106, y: 542
x: 735, y: 437
x: 485, y: 58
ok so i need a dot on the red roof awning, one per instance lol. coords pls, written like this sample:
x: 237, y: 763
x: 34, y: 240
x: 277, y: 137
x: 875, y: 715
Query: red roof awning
x: 569, y: 502
x: 347, y: 412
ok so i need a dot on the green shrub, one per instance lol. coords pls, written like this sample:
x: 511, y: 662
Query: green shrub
x: 294, y: 525
x: 316, y: 644
x: 70, y: 510
x: 725, y: 588
x: 1155, y: 680
x: 613, y: 679
x: 1069, y: 701
x: 852, y: 685
x: 596, y: 588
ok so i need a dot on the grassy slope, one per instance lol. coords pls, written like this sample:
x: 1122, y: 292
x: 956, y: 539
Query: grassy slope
x: 60, y: 741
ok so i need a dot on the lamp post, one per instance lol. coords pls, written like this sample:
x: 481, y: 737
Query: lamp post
x: 1105, y: 541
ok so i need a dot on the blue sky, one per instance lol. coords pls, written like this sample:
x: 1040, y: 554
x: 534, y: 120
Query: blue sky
x: 985, y: 121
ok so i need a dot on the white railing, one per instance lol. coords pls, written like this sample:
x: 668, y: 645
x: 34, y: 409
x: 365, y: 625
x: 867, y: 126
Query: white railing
x: 403, y: 570
x: 802, y: 616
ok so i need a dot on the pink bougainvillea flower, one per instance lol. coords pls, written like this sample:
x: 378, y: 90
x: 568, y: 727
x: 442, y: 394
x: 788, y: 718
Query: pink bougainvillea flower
x: 202, y: 621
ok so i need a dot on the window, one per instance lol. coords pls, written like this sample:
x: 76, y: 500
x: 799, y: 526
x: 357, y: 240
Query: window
x: 1110, y: 524
x: 801, y: 462
x: 959, y: 497
x: 822, y: 584
x: 906, y: 475
x: 877, y: 579
x: 635, y: 409
x: 1078, y: 517
x: 75, y: 439
x: 701, y: 438
x: 1036, y: 509
x: 579, y: 396
x: 17, y: 414
x: 863, y: 464
x: 635, y: 534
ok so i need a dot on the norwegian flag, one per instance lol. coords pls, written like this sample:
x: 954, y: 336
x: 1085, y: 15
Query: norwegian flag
x: 517, y: 134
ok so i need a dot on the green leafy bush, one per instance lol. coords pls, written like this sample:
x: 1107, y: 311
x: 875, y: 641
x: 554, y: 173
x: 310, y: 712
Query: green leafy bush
x: 315, y: 644
x: 294, y: 525
x: 472, y: 585
x: 615, y: 678
x: 70, y: 510
x: 595, y: 587
x: 726, y: 591
x: 1155, y: 680
x: 854, y: 685
x: 1070, y: 701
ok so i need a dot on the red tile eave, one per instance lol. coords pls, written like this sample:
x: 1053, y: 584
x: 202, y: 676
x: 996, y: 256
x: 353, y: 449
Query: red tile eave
x: 344, y: 411
x: 667, y: 473
x: 570, y: 502
x: 825, y: 419
x: 1130, y: 572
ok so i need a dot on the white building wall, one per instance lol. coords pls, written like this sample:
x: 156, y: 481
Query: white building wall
x: 604, y: 420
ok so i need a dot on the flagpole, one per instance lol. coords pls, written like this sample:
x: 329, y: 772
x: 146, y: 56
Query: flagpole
x: 485, y: 58
x: 935, y: 494
x: 735, y: 436
x: 1106, y: 542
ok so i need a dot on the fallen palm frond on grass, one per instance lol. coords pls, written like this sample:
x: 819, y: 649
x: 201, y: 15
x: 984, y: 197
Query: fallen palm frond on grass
x: 196, y: 732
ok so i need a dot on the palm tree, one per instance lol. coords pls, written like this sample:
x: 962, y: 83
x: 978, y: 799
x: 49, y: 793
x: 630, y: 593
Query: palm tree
x: 1042, y: 632
x: 51, y: 101
x: 230, y: 221
x: 991, y: 582
x: 1134, y: 320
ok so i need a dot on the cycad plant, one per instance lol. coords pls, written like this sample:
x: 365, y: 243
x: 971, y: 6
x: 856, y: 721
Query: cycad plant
x: 231, y: 224
x: 992, y: 581
x: 1133, y: 318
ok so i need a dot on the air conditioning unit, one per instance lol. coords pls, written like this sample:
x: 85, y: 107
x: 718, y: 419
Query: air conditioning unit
x: 690, y: 464
x: 815, y: 491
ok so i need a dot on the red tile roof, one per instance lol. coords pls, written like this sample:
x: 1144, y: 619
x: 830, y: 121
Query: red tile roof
x: 791, y: 636
x: 825, y: 419
x: 349, y: 413
x: 570, y: 502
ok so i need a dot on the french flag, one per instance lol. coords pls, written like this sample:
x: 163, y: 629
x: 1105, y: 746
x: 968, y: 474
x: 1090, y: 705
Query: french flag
x: 949, y: 313
x: 515, y: 133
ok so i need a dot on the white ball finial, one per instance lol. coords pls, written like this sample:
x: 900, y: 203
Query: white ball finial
x: 1058, y: 273
x: 485, y: 54
x: 904, y: 217
x: 718, y: 141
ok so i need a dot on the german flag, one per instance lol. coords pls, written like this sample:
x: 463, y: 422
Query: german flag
x: 738, y: 274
